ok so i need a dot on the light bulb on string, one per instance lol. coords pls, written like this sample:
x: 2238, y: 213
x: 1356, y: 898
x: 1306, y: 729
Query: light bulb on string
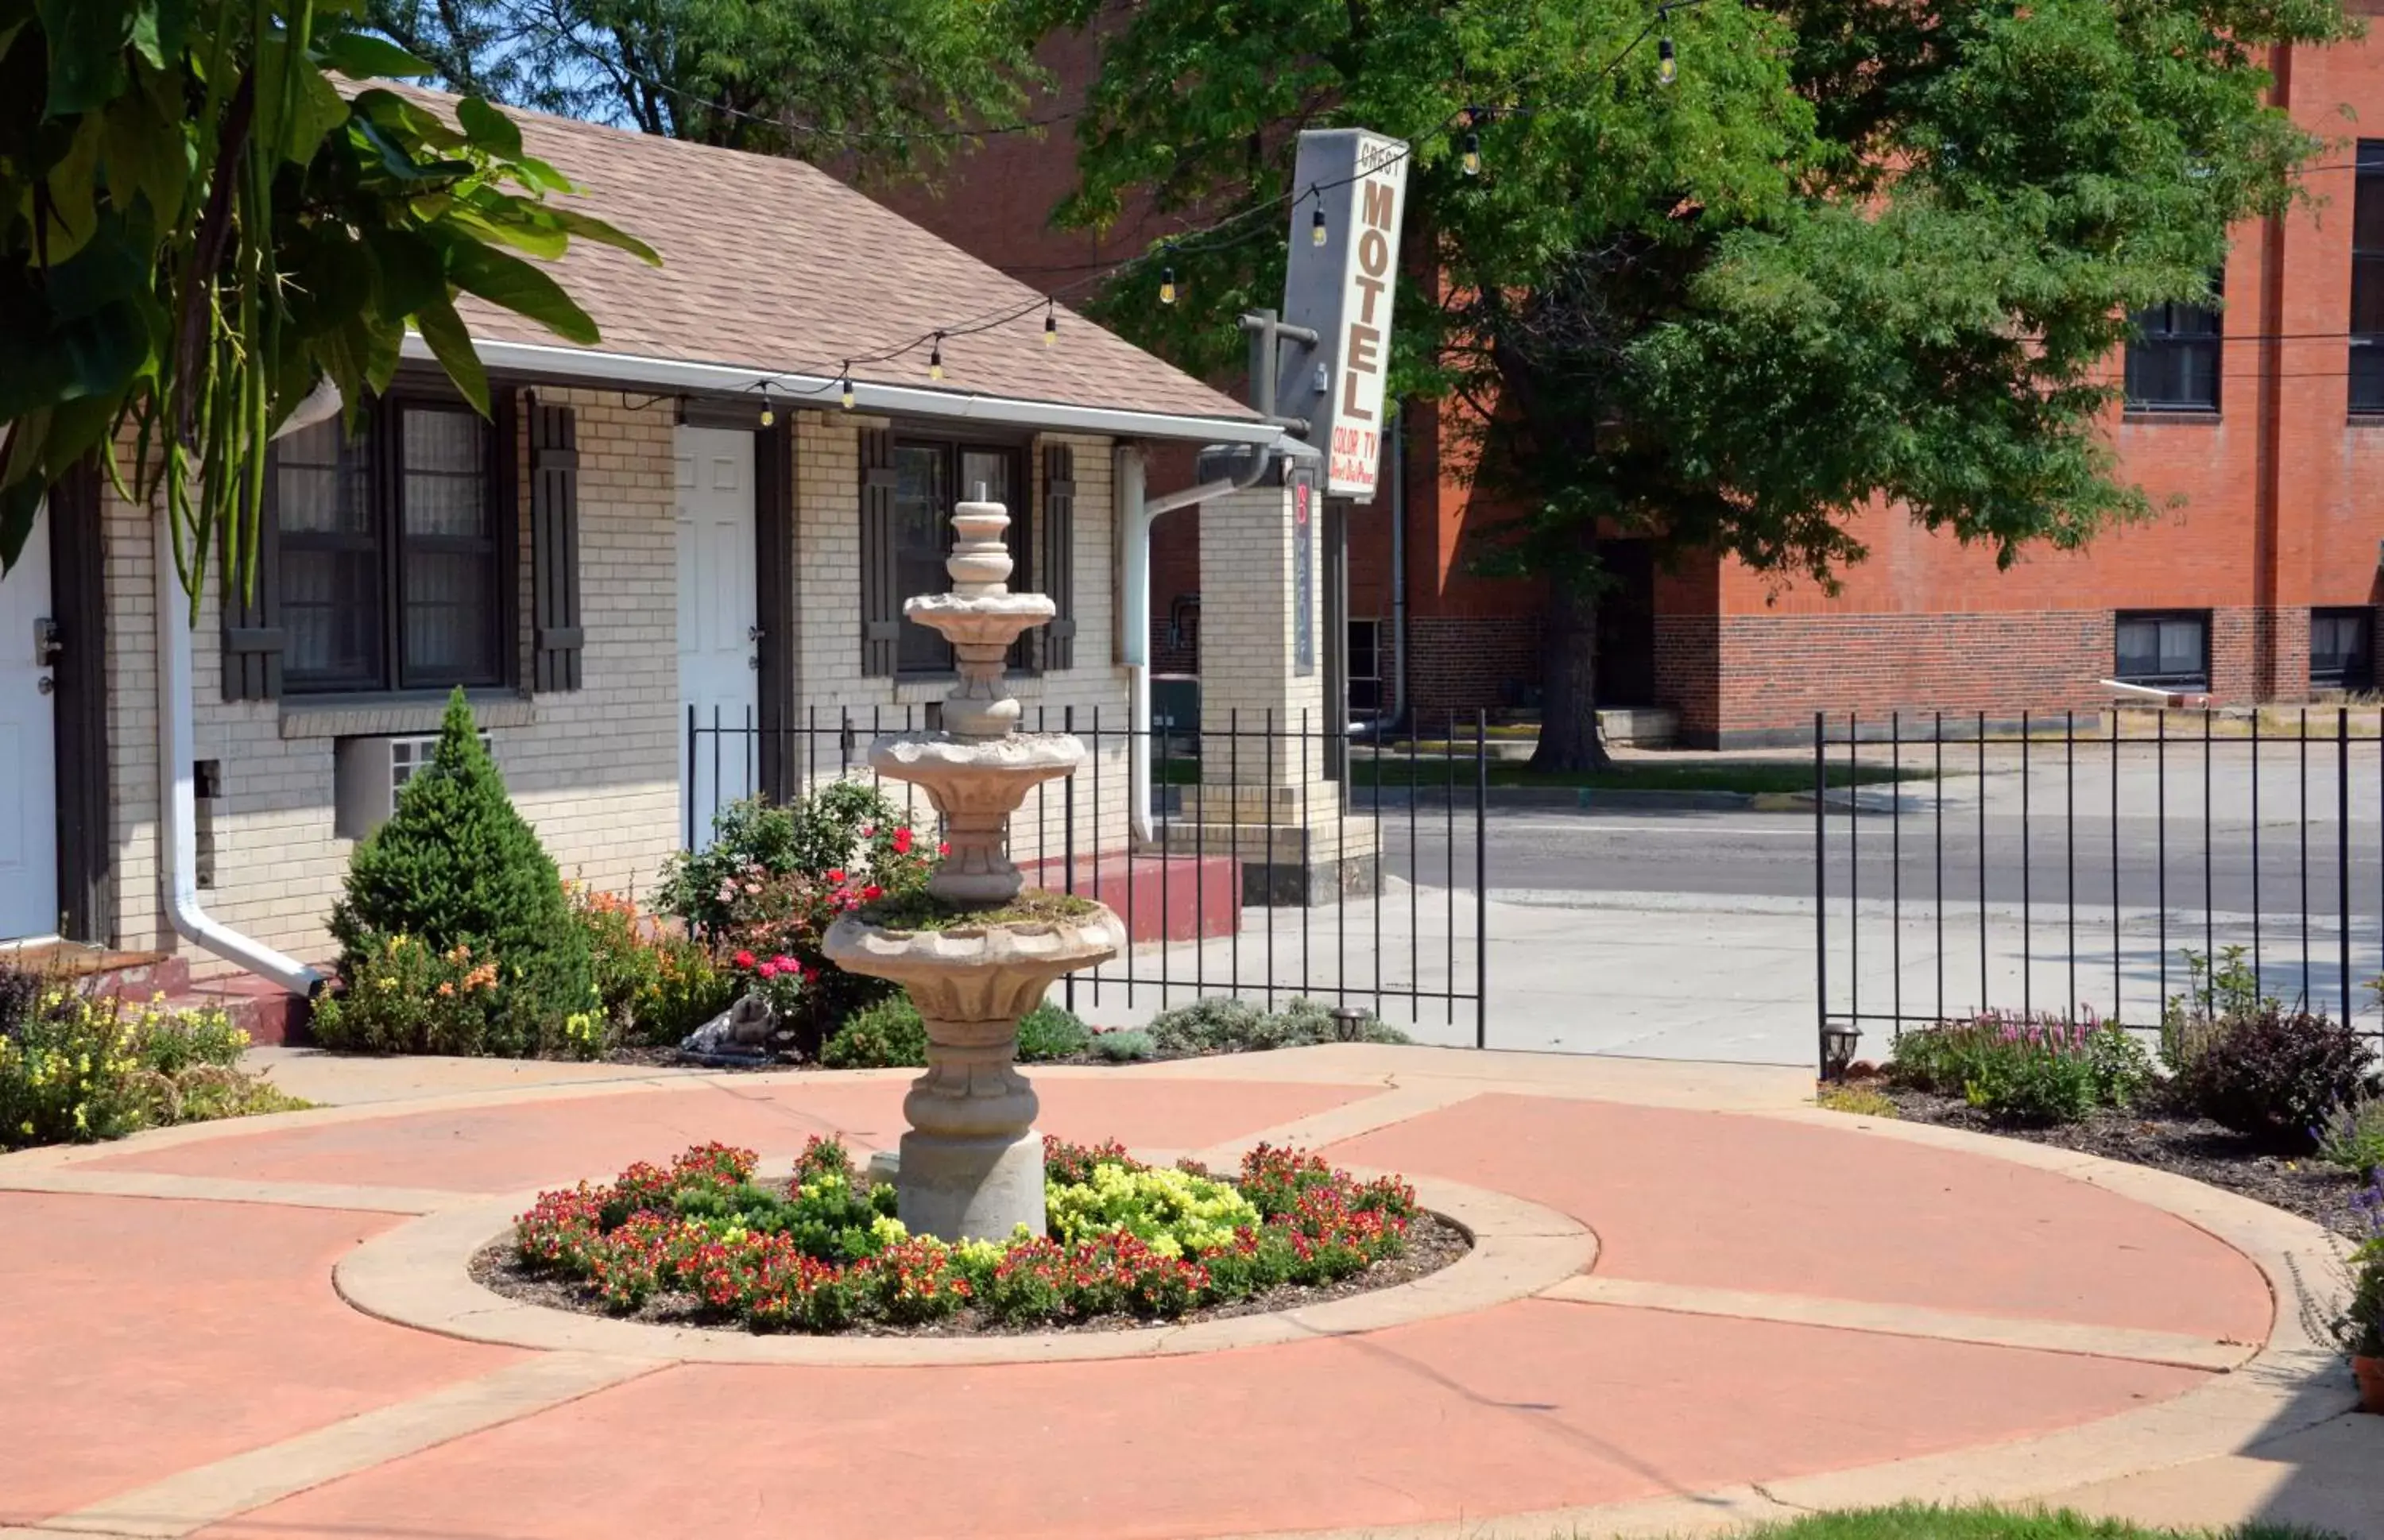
x: 1470, y: 162
x: 1167, y: 278
x: 1316, y: 225
x: 936, y: 358
x: 1050, y: 323
x: 1668, y: 65
x: 769, y: 413
x: 845, y: 387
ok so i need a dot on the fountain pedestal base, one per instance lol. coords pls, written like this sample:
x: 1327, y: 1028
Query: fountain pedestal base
x: 961, y: 1188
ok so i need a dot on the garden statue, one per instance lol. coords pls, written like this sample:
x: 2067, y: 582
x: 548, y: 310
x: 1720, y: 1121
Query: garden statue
x: 977, y: 952
x: 738, y: 1036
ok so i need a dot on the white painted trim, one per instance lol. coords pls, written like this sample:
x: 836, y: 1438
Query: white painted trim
x: 802, y: 390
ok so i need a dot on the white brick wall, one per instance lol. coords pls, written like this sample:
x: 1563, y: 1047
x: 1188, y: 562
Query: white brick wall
x: 595, y: 771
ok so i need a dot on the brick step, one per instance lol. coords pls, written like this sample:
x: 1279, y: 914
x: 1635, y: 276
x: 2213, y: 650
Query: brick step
x: 270, y: 1015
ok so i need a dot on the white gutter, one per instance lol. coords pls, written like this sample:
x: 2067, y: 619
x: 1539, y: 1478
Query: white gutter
x: 178, y: 830
x: 1135, y: 511
x: 823, y: 391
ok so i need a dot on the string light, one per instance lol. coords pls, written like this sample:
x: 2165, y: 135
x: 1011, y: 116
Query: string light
x: 1316, y: 225
x: 1470, y: 161
x: 1050, y: 322
x: 769, y: 414
x: 936, y: 358
x: 1167, y: 280
x: 845, y: 387
x: 1668, y: 66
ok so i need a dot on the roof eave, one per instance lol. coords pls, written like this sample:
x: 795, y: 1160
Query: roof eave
x: 664, y: 374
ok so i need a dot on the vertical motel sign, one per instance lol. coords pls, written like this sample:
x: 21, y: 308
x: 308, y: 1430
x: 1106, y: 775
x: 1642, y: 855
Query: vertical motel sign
x: 1343, y: 290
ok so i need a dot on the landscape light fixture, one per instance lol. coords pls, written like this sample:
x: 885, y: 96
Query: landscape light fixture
x: 1838, y: 1045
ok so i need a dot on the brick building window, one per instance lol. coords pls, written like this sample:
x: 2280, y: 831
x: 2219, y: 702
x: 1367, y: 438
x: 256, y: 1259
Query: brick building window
x: 2173, y: 358
x: 1366, y: 660
x: 2169, y: 648
x: 930, y: 476
x: 2367, y: 280
x: 2340, y: 649
x: 393, y: 568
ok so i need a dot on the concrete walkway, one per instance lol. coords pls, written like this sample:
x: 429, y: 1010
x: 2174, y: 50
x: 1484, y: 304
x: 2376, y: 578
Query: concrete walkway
x: 1767, y: 1309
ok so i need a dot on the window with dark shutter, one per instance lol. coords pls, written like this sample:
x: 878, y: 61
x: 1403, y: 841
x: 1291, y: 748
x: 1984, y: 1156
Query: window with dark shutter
x: 254, y: 639
x: 1059, y: 566
x: 881, y: 604
x: 554, y: 548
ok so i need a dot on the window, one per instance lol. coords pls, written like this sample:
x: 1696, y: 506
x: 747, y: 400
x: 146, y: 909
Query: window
x: 2339, y: 652
x: 2172, y: 650
x: 1365, y: 669
x: 929, y: 477
x: 2367, y: 280
x: 2173, y: 359
x: 393, y: 574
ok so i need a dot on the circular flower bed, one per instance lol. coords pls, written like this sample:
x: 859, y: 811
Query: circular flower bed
x: 702, y: 1240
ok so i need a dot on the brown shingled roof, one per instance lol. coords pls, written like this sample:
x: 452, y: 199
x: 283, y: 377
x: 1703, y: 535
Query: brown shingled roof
x: 777, y: 266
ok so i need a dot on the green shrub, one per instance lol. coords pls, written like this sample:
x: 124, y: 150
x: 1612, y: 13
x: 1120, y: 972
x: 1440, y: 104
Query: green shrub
x: 2219, y: 990
x: 1224, y: 1023
x: 2360, y: 1328
x: 2275, y: 1075
x: 886, y: 1035
x: 1051, y: 1031
x: 402, y: 997
x: 1855, y: 1101
x: 1128, y: 1046
x: 1173, y: 1212
x: 689, y: 988
x: 2353, y: 1138
x: 455, y: 865
x: 2025, y: 1069
x: 76, y: 1067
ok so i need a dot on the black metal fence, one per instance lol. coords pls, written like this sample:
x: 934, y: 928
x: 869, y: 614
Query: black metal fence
x: 2071, y: 862
x: 1259, y: 857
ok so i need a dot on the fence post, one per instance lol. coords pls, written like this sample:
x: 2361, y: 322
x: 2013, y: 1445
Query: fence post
x: 1480, y: 878
x: 686, y: 793
x: 1821, y: 892
x: 2342, y: 851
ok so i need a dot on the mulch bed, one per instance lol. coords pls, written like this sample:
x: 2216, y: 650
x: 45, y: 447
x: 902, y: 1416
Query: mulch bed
x: 2187, y: 1146
x: 1432, y: 1243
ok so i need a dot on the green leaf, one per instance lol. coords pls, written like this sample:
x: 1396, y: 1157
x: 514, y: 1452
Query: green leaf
x: 362, y: 57
x: 319, y: 107
x: 542, y: 176
x: 521, y: 228
x: 507, y: 280
x: 87, y: 41
x: 413, y: 270
x: 146, y: 157
x: 488, y: 128
x: 450, y: 343
x: 589, y: 228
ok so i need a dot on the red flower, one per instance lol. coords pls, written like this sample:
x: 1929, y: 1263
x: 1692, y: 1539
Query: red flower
x: 943, y: 847
x: 744, y: 959
x: 871, y: 893
x: 788, y: 964
x: 903, y: 840
x: 769, y: 970
x: 835, y: 876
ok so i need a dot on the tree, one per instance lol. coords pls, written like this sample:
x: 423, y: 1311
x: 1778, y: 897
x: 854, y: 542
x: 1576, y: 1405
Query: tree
x: 1856, y: 251
x: 876, y: 83
x: 197, y: 228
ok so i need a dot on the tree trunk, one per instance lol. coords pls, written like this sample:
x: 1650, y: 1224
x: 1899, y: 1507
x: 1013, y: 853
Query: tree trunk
x: 1569, y: 738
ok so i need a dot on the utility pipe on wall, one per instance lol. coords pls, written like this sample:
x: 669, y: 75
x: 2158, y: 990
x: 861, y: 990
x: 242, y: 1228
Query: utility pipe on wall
x: 177, y: 829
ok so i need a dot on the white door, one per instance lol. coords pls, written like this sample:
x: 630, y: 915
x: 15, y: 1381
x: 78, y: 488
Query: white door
x: 29, y: 786
x: 717, y: 649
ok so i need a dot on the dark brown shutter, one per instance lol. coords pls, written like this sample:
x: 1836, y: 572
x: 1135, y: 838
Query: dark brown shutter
x: 554, y: 546
x: 881, y: 607
x: 1059, y: 559
x: 252, y: 635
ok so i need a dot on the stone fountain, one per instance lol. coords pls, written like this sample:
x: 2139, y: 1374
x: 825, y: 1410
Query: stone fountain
x: 972, y: 1163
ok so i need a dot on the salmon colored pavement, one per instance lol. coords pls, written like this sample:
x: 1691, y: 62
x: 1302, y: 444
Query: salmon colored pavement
x: 1540, y: 1403
x: 163, y: 1335
x: 1728, y: 1200
x: 504, y: 1149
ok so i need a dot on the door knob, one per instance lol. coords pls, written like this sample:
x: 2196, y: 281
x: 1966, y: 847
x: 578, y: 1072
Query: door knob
x: 48, y: 685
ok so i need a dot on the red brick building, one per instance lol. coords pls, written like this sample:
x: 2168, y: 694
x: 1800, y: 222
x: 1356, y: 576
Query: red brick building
x: 2258, y: 435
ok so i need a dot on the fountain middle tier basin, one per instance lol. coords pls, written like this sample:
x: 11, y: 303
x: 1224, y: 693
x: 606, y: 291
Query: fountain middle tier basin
x: 976, y: 784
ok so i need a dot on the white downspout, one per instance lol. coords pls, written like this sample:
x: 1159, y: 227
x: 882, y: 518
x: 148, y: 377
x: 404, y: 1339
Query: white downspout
x: 1136, y: 511
x: 178, y: 829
